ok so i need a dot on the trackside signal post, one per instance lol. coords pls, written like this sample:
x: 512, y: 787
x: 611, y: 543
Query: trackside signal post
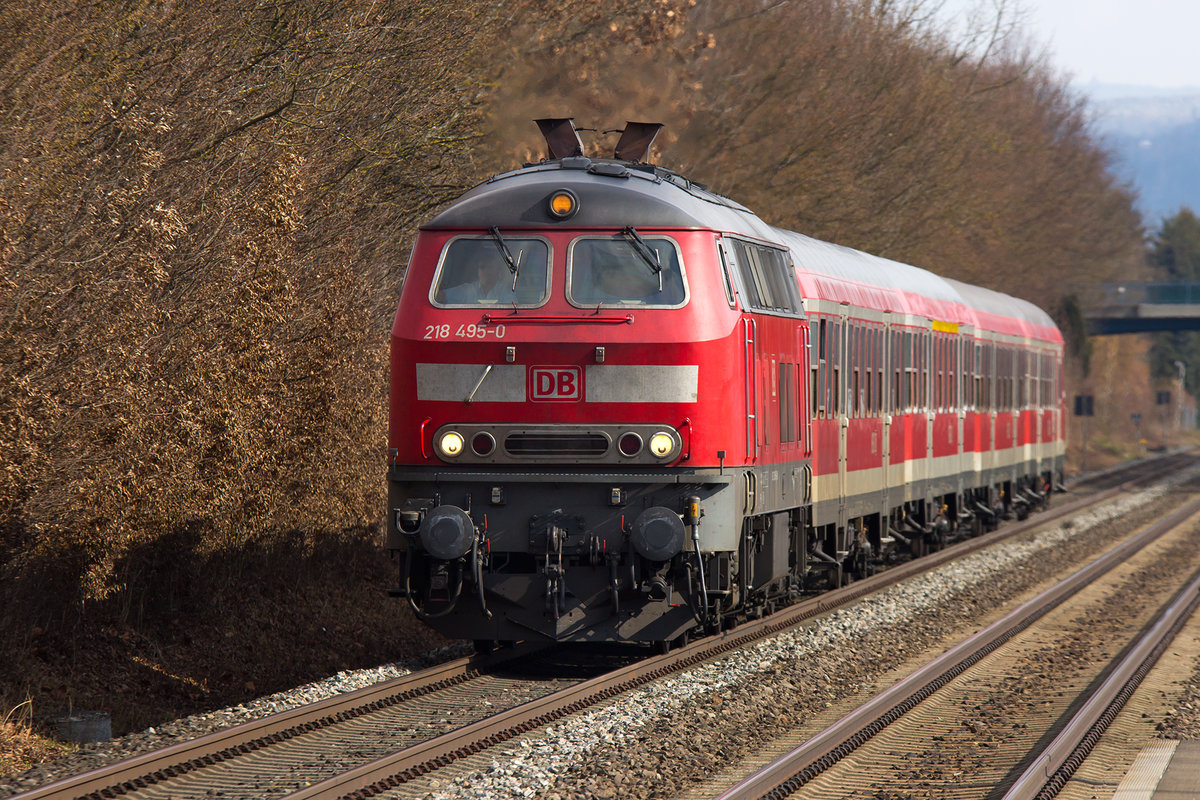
x: 1084, y: 408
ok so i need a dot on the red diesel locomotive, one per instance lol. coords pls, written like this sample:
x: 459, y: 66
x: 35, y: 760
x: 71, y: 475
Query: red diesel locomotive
x: 624, y: 408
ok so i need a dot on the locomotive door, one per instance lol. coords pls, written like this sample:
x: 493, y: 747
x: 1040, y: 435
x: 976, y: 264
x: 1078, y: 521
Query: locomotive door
x: 753, y: 395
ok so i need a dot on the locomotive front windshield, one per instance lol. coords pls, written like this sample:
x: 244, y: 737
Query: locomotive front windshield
x: 476, y: 272
x: 625, y: 270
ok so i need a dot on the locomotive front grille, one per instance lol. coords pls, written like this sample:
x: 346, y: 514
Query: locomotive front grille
x: 525, y: 444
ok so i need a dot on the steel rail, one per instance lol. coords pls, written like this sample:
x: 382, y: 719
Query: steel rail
x: 405, y: 765
x: 149, y: 768
x: 786, y: 774
x: 1055, y: 765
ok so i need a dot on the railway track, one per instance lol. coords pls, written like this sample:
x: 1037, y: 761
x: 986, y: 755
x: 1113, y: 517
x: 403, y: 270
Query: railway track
x: 277, y: 754
x: 1013, y: 710
x: 363, y: 743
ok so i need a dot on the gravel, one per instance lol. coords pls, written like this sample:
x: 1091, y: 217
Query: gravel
x: 670, y: 734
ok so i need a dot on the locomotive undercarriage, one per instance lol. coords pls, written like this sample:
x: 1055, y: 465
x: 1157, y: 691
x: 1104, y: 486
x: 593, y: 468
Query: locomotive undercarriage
x: 649, y: 556
x: 605, y: 557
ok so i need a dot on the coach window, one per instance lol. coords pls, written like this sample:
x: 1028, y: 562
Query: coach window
x: 1001, y: 380
x: 835, y: 358
x: 1048, y: 380
x: 614, y: 270
x: 855, y: 331
x: 872, y: 373
x: 976, y: 377
x: 869, y: 371
x: 937, y: 372
x: 1023, y: 379
x: 955, y: 346
x: 989, y: 376
x: 816, y: 347
x: 474, y: 271
x: 880, y: 386
x: 1007, y: 371
x: 897, y: 366
x: 926, y: 369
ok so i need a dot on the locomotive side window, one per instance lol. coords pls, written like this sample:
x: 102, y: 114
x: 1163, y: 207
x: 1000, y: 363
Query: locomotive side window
x: 474, y: 271
x: 768, y: 276
x: 788, y: 396
x: 613, y: 270
x: 726, y: 278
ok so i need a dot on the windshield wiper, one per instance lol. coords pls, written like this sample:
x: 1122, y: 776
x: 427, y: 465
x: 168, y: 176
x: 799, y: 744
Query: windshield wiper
x: 514, y: 265
x: 648, y: 254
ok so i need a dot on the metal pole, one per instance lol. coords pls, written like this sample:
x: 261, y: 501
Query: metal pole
x: 1179, y: 365
x: 1083, y: 457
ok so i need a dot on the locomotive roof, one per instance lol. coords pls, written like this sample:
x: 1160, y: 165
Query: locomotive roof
x: 613, y: 194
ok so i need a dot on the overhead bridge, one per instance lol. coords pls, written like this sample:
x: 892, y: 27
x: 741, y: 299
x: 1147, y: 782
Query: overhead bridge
x: 1145, y: 308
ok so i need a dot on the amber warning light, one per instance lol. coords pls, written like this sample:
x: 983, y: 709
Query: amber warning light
x: 563, y: 204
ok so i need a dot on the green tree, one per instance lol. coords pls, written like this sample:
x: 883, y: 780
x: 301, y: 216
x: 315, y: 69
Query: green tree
x: 1174, y: 253
x: 1175, y: 248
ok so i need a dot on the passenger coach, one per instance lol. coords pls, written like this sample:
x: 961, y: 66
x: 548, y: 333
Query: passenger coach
x: 625, y: 408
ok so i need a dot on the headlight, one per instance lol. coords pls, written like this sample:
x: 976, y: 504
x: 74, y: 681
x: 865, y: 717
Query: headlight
x: 662, y: 445
x: 451, y: 444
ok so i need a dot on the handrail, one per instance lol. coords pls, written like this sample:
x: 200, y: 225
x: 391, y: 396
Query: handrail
x: 488, y: 319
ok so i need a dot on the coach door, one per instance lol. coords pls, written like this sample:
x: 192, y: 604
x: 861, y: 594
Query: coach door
x: 840, y: 382
x: 962, y: 355
x: 928, y: 371
x: 887, y: 401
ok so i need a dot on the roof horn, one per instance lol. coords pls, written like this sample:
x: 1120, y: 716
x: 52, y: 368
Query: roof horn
x: 561, y: 138
x: 636, y: 140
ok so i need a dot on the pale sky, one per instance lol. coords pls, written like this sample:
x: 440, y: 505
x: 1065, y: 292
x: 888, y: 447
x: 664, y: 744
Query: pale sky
x: 1135, y: 42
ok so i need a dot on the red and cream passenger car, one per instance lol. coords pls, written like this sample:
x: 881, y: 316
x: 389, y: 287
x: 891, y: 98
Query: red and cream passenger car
x: 624, y: 407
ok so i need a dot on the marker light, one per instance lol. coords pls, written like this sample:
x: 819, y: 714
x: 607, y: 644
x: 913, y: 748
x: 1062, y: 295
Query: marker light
x: 662, y: 445
x: 630, y: 444
x: 563, y: 204
x: 483, y: 444
x: 451, y: 444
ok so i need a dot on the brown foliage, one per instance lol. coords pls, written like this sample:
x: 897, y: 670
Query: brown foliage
x: 190, y: 334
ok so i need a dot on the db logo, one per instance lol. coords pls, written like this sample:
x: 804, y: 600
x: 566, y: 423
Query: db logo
x: 556, y: 383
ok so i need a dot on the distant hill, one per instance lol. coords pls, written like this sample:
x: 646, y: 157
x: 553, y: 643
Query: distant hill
x: 1155, y: 135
